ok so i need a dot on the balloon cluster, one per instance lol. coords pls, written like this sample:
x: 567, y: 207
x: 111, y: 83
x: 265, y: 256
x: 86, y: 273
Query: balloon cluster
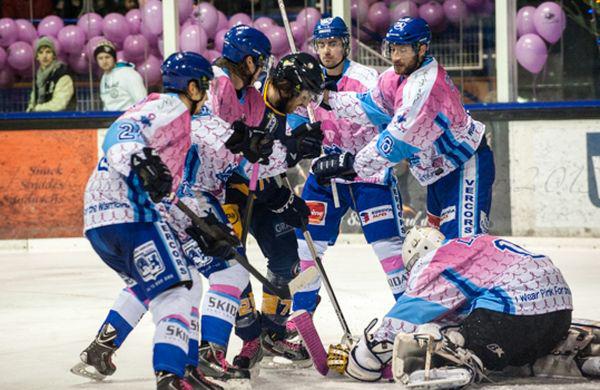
x: 377, y: 16
x: 547, y: 21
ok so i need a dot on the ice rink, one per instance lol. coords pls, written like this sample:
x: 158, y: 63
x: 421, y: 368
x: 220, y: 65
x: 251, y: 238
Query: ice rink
x: 53, y: 300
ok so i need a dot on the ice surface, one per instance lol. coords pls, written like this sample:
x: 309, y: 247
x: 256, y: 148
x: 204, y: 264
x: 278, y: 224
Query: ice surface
x: 52, y: 303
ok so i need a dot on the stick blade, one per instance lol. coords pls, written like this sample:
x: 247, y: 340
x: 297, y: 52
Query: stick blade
x: 303, y: 279
x: 306, y: 328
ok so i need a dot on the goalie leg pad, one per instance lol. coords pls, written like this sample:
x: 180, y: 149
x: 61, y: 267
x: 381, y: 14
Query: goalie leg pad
x: 369, y: 357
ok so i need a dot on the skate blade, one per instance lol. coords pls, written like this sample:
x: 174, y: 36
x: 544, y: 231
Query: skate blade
x: 86, y: 371
x: 233, y: 384
x: 439, y: 379
x: 279, y: 362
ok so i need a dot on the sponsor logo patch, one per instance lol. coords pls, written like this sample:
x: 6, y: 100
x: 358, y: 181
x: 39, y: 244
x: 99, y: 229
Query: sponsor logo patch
x: 448, y: 214
x: 318, y: 211
x: 376, y: 214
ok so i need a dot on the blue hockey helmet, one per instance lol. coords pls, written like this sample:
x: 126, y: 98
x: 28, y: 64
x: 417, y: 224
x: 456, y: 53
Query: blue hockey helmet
x: 332, y: 28
x: 182, y: 67
x: 242, y: 41
x: 407, y: 31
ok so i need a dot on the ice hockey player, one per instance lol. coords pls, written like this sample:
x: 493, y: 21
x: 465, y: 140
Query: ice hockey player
x: 426, y: 123
x: 246, y: 52
x: 121, y: 219
x: 376, y: 200
x: 478, y: 303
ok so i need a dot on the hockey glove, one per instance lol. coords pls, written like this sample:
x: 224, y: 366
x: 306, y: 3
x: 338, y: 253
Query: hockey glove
x: 155, y: 176
x: 332, y: 166
x: 292, y: 209
x: 219, y: 241
x: 305, y: 142
x: 256, y: 144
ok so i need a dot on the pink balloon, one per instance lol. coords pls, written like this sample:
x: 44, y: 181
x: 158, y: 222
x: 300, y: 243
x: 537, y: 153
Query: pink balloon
x: 79, y: 62
x: 379, y: 16
x: 25, y: 74
x: 474, y: 4
x: 531, y: 52
x: 2, y: 57
x: 9, y: 32
x: 308, y: 47
x: 219, y: 38
x: 263, y: 22
x: 193, y: 38
x: 20, y: 55
x: 222, y: 24
x: 151, y: 37
x: 359, y: 9
x: 121, y: 57
x: 211, y: 55
x: 240, y: 18
x: 208, y: 18
x: 115, y: 27
x: 50, y: 25
x: 7, y: 77
x: 27, y: 33
x: 134, y: 19
x: 309, y: 16
x: 299, y: 32
x: 91, y: 23
x: 525, y: 21
x: 150, y: 70
x: 455, y: 11
x: 403, y: 9
x: 152, y: 16
x: 135, y: 46
x: 433, y: 13
x: 71, y: 38
x: 550, y: 21
x: 185, y: 9
x: 91, y: 45
x: 278, y: 39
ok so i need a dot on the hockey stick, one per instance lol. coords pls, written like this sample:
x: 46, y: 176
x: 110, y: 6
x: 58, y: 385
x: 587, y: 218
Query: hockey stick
x: 311, y: 112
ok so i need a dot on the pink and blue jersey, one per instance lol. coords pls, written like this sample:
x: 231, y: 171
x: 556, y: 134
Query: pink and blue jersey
x: 483, y: 271
x: 424, y: 121
x: 113, y: 193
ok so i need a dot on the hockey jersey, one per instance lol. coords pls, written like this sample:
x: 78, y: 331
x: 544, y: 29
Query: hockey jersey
x: 483, y: 271
x: 424, y: 121
x: 114, y: 193
x: 343, y: 135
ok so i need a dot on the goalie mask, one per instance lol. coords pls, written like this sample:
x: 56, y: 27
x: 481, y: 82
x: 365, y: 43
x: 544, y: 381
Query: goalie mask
x: 418, y: 242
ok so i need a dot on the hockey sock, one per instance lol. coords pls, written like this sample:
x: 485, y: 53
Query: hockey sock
x: 221, y: 304
x: 170, y: 312
x: 125, y: 314
x: 389, y: 252
x: 307, y: 298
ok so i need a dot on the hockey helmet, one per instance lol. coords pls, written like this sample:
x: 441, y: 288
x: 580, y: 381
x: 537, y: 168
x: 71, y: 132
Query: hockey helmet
x: 182, y: 67
x: 407, y: 31
x: 242, y: 41
x: 302, y: 71
x: 418, y: 242
x: 332, y: 28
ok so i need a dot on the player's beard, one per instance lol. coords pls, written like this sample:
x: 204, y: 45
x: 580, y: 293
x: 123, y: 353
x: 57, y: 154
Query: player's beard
x: 407, y: 69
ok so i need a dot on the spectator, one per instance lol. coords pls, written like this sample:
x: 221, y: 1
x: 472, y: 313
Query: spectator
x: 121, y: 86
x: 52, y: 87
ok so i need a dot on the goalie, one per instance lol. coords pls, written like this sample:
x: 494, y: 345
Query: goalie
x: 475, y: 304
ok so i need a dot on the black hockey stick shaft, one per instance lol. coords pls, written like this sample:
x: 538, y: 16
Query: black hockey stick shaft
x: 282, y: 292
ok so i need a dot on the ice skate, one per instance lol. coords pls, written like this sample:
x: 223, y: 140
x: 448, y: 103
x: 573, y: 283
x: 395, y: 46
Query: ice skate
x: 213, y: 364
x: 96, y: 360
x: 170, y: 381
x: 251, y: 354
x: 284, y: 352
x: 198, y: 380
